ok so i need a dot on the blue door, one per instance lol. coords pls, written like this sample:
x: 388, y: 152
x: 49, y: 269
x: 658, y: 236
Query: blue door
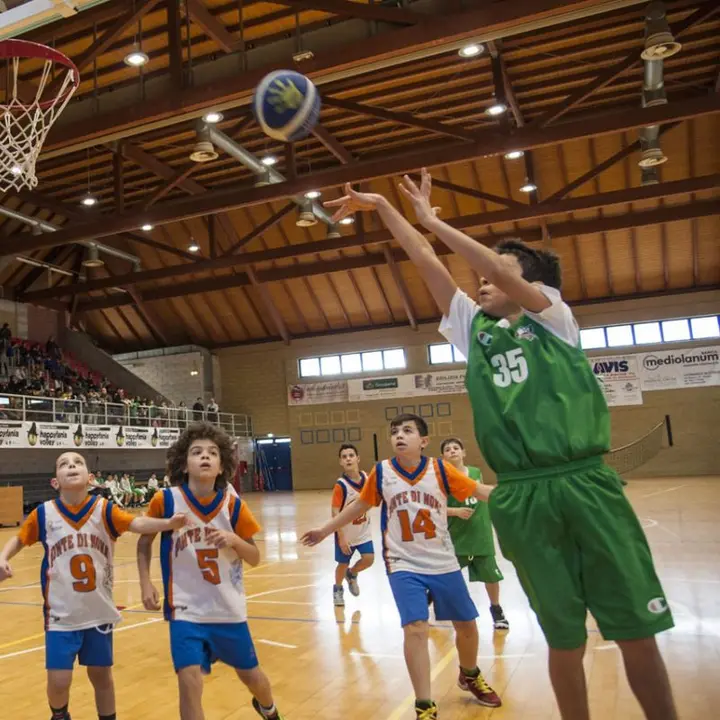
x: 276, y: 464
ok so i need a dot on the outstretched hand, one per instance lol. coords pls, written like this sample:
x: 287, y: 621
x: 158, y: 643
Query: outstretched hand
x: 419, y: 197
x: 352, y: 202
x: 313, y: 537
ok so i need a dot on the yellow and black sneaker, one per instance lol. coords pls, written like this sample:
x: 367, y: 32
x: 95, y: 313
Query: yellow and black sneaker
x: 426, y: 710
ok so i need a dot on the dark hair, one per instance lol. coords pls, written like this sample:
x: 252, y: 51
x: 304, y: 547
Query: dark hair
x: 449, y: 440
x: 348, y: 446
x: 178, y: 452
x: 420, y: 424
x: 537, y: 265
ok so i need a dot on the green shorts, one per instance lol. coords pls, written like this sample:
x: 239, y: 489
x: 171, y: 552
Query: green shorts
x: 577, y: 545
x: 481, y: 568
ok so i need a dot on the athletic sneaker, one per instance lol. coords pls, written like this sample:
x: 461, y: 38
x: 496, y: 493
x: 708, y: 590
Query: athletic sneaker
x: 430, y: 713
x: 275, y: 716
x: 483, y: 693
x: 499, y: 620
x: 338, y: 596
x: 352, y: 583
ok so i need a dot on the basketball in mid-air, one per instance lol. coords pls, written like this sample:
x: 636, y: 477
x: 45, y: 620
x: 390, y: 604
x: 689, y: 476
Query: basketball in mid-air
x: 286, y: 105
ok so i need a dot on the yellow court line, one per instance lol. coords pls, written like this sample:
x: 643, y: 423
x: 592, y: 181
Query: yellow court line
x: 409, y: 701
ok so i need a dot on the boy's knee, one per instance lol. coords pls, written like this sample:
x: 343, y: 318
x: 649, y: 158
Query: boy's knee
x: 419, y: 628
x: 369, y: 560
x: 190, y: 678
x: 638, y: 649
x: 250, y: 677
x: 467, y: 628
x: 100, y: 677
x: 59, y: 680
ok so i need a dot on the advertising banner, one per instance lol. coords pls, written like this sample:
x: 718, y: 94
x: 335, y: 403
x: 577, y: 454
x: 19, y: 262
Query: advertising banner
x: 620, y: 379
x: 335, y: 391
x: 673, y: 369
x: 100, y: 437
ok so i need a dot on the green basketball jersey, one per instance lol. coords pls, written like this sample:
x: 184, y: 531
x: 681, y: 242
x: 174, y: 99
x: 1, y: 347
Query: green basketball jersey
x: 471, y: 537
x: 536, y: 402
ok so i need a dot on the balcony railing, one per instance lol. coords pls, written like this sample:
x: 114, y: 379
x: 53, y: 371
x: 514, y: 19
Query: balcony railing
x: 35, y: 408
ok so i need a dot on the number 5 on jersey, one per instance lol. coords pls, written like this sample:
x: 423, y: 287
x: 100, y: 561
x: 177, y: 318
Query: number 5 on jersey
x: 207, y: 562
x: 511, y: 368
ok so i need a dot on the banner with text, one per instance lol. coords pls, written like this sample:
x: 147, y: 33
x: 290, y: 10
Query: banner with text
x: 620, y: 379
x: 672, y: 369
x: 318, y: 393
x: 96, y: 437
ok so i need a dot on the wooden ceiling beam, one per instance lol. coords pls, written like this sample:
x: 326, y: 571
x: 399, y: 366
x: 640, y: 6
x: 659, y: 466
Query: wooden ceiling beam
x: 260, y: 229
x: 442, y: 154
x: 633, y: 58
x: 401, y: 118
x: 332, y: 144
x: 343, y: 8
x: 211, y: 26
x: 302, y: 270
x: 118, y: 184
x: 472, y: 192
x: 174, y: 44
x: 465, y: 222
x: 145, y: 316
x: 176, y: 180
x: 400, y: 285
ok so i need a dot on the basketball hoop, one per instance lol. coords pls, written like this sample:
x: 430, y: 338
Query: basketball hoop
x: 27, y: 110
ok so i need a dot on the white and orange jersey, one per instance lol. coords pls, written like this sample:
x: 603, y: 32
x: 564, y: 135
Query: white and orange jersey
x: 77, y: 570
x: 414, y: 513
x: 203, y: 584
x: 346, y: 492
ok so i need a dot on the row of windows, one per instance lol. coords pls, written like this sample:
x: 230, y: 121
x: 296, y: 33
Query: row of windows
x: 651, y: 333
x: 612, y: 336
x: 353, y: 363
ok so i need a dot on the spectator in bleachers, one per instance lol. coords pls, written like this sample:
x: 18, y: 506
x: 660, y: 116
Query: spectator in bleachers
x: 198, y: 409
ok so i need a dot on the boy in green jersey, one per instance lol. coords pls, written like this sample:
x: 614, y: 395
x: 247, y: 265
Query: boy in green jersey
x: 472, y: 535
x: 542, y: 423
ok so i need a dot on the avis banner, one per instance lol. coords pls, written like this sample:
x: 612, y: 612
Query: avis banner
x: 619, y: 378
x: 97, y: 437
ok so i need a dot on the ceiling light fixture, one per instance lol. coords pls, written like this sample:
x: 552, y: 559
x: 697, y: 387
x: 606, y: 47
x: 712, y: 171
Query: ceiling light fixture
x: 313, y: 194
x: 514, y: 154
x: 147, y: 227
x: 496, y: 109
x: 89, y: 200
x: 528, y: 187
x: 213, y: 117
x: 16, y: 170
x: 193, y: 247
x: 269, y: 160
x: 136, y: 58
x: 472, y: 50
x: 347, y: 220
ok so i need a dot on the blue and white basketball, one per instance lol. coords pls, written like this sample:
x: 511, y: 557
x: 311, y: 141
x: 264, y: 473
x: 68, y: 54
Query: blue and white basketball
x: 286, y: 105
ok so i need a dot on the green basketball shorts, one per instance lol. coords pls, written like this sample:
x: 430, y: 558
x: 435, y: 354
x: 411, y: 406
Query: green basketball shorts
x: 577, y: 545
x: 481, y: 568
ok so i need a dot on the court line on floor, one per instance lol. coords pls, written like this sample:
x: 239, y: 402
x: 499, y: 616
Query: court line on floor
x: 662, y: 492
x: 277, y: 644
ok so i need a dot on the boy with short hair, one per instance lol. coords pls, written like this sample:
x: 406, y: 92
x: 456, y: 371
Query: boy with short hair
x: 472, y: 535
x: 78, y: 533
x: 356, y: 537
x: 542, y: 423
x: 202, y: 569
x: 413, y: 490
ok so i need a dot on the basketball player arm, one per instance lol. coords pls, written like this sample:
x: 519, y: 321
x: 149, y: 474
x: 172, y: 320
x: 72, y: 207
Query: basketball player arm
x: 11, y: 549
x: 349, y: 514
x: 483, y: 260
x: 336, y: 508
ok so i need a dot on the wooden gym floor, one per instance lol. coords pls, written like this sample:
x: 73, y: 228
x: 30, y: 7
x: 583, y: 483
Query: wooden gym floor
x: 336, y: 665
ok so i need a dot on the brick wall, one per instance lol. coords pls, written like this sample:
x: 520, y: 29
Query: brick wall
x: 255, y: 380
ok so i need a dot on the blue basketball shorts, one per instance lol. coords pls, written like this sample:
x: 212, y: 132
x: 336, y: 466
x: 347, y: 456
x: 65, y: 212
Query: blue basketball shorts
x: 449, y: 593
x: 365, y: 548
x: 92, y: 648
x: 204, y: 643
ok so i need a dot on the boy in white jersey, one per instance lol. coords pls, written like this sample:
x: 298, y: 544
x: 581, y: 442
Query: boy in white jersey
x: 202, y: 570
x: 419, y: 555
x: 356, y: 537
x: 78, y: 533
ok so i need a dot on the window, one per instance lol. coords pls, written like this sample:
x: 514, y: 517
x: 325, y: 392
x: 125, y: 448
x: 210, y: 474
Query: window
x: 705, y: 327
x: 649, y: 333
x: 593, y: 338
x: 444, y: 354
x: 352, y: 363
x: 673, y: 330
x: 618, y: 335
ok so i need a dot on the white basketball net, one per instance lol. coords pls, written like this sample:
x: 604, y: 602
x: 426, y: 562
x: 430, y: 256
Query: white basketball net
x: 25, y: 123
